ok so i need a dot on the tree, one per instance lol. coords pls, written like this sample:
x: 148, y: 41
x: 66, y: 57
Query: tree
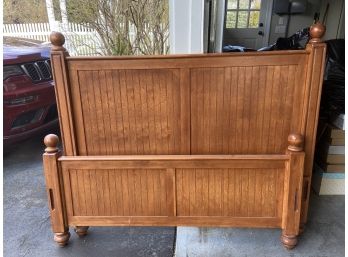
x: 64, y: 14
x: 115, y: 19
x: 50, y: 14
x: 28, y: 11
x: 124, y: 27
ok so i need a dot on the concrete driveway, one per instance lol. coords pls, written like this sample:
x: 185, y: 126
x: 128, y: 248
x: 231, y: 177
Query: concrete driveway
x: 27, y: 228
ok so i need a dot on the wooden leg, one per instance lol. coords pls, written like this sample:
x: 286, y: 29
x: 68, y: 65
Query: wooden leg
x: 62, y: 238
x: 54, y: 190
x: 289, y: 241
x: 293, y: 188
x: 81, y: 230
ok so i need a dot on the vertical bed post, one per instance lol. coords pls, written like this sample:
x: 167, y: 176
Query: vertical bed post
x: 55, y: 190
x: 314, y: 81
x: 293, y: 191
x: 62, y: 89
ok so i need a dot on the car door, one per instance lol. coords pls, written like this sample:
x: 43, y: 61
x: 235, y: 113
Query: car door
x: 246, y: 23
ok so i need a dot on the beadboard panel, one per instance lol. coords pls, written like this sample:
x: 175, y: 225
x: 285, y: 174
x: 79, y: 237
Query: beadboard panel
x: 119, y: 192
x: 229, y: 192
x: 132, y: 112
x: 243, y: 110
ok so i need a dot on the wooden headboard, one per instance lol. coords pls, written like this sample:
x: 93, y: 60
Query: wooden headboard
x: 241, y: 125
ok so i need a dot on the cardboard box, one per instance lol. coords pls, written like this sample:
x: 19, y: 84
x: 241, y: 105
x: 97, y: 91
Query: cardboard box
x: 332, y: 158
x: 338, y: 121
x: 334, y: 132
x: 333, y: 168
x: 335, y: 149
x: 327, y: 183
x: 322, y: 154
x: 336, y: 141
x: 324, y: 148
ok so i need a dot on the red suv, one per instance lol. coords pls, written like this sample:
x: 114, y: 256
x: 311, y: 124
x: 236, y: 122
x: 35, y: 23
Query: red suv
x: 29, y: 98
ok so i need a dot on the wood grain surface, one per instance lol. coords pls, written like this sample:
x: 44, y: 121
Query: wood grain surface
x: 194, y: 140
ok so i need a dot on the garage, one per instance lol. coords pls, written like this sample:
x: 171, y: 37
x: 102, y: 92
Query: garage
x: 234, y: 146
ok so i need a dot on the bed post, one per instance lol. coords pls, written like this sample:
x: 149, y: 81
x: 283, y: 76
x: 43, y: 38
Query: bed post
x: 314, y: 81
x: 54, y: 190
x: 62, y: 89
x: 293, y: 185
x: 81, y: 230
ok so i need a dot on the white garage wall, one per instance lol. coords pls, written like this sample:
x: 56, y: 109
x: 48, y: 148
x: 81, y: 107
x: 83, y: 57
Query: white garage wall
x: 335, y: 18
x: 186, y: 26
x: 297, y: 21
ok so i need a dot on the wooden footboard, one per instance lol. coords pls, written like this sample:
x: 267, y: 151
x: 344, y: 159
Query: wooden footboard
x: 176, y: 190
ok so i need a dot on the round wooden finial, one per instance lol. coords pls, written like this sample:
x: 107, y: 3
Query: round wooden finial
x: 51, y: 142
x: 295, y: 142
x: 57, y: 39
x: 316, y: 32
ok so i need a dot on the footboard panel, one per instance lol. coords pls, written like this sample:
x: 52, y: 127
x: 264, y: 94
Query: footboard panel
x: 118, y: 192
x: 174, y: 190
x: 230, y: 192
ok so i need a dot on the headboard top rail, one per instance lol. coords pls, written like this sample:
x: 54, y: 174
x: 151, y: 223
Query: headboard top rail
x: 187, y: 56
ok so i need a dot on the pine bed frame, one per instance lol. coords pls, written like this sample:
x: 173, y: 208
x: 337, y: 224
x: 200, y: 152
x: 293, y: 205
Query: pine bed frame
x: 184, y: 140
